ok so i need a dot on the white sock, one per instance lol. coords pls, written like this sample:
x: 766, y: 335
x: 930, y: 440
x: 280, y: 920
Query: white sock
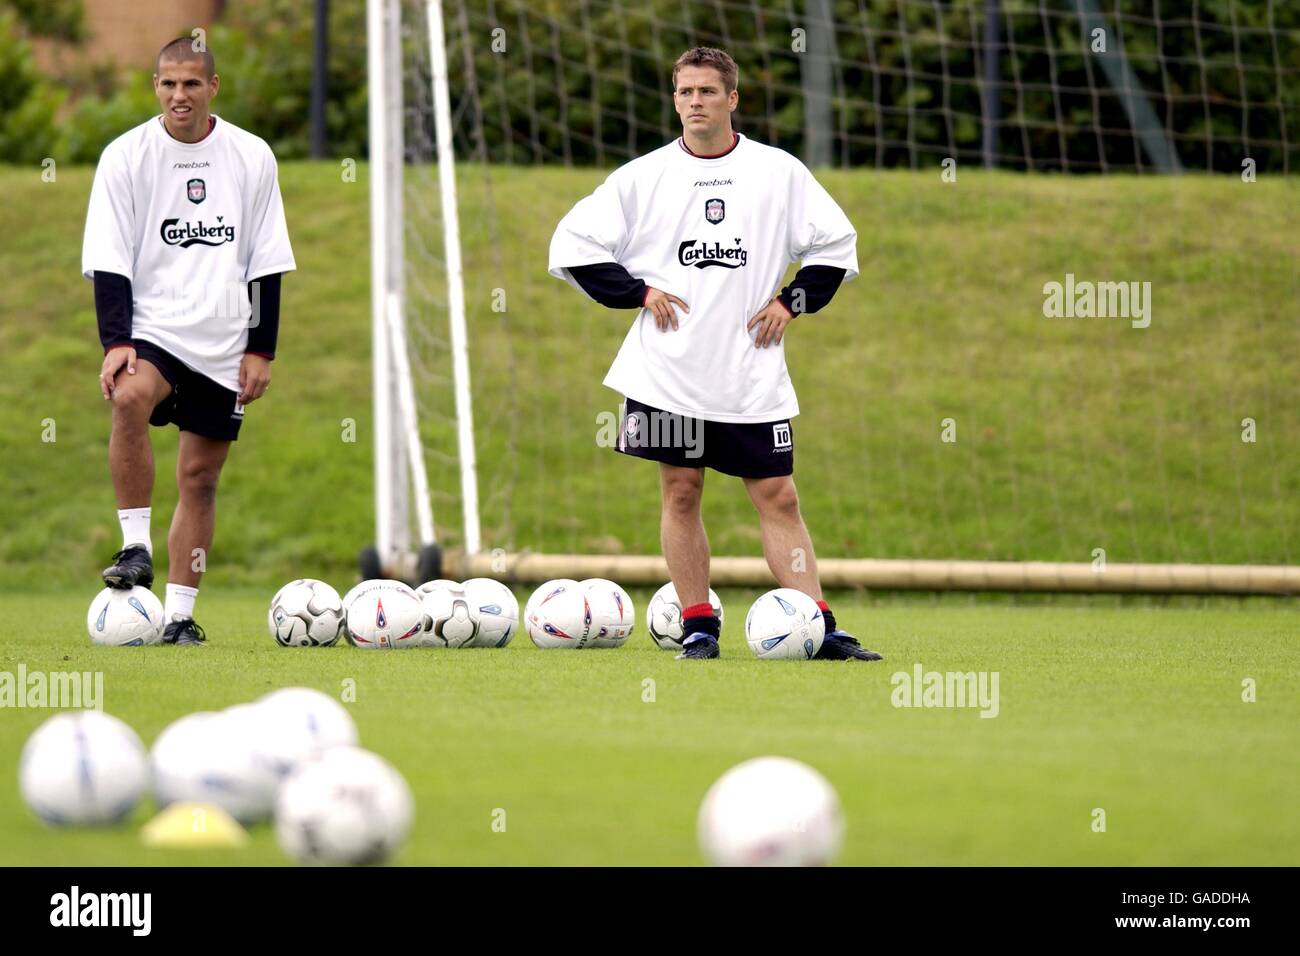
x: 135, y: 527
x: 180, y: 602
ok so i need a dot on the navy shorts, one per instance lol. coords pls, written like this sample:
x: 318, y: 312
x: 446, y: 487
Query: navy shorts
x: 196, y: 403
x: 740, y: 449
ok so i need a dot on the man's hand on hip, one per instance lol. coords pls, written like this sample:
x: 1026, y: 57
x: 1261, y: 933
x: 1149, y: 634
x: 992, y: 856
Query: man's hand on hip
x: 254, y: 377
x: 114, y: 361
x: 661, y: 305
x: 771, y: 324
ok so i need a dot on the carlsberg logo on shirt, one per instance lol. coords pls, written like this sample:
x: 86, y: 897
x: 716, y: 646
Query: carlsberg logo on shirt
x: 701, y: 253
x: 190, y: 233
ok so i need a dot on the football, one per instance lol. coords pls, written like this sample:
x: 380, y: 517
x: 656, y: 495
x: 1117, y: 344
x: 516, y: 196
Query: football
x: 210, y: 757
x: 384, y: 615
x: 771, y: 811
x: 450, y: 619
x: 119, y: 618
x: 82, y: 768
x: 306, y: 613
x: 440, y: 582
x: 343, y: 806
x: 785, y: 624
x: 349, y: 598
x: 362, y: 585
x: 497, y: 609
x: 663, y: 616
x: 297, y: 722
x: 558, y: 615
x: 612, y: 613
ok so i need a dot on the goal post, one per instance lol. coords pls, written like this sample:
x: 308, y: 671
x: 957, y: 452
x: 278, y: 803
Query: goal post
x: 446, y: 158
x: 400, y: 474
x: 392, y: 532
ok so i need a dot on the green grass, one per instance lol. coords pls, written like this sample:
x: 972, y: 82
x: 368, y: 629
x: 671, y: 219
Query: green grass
x: 1071, y: 434
x: 1128, y: 707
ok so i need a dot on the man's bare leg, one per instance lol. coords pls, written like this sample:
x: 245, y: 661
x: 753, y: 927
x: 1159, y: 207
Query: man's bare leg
x: 130, y: 454
x: 681, y: 532
x: 686, y: 549
x: 130, y: 464
x: 789, y: 551
x: 198, y: 468
x: 787, y: 546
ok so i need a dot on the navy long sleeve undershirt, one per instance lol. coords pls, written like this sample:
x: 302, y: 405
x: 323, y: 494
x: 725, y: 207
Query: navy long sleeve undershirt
x: 262, y: 335
x: 114, y: 305
x: 113, y: 309
x: 613, y: 287
x: 610, y: 284
x: 818, y: 284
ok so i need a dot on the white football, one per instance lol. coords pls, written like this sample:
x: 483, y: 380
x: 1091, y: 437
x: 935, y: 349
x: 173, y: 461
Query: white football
x: 211, y: 758
x: 384, y: 615
x: 343, y: 806
x: 449, y: 619
x: 297, y: 722
x: 83, y: 768
x: 357, y: 588
x: 771, y: 811
x: 306, y: 613
x: 120, y: 618
x: 497, y: 609
x: 663, y: 617
x: 428, y: 586
x: 350, y: 597
x: 785, y: 624
x: 558, y: 615
x: 612, y: 614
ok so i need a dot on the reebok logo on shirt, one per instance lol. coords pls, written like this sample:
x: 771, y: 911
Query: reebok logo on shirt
x: 702, y: 254
x: 190, y: 233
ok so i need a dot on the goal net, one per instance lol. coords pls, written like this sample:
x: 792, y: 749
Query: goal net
x: 987, y: 153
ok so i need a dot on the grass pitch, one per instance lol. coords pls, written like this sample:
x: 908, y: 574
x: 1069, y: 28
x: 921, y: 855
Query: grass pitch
x: 1071, y: 436
x: 1135, y: 709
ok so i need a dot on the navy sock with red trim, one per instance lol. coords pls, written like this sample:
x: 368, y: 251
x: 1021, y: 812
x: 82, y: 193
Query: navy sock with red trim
x: 700, y: 619
x: 828, y: 617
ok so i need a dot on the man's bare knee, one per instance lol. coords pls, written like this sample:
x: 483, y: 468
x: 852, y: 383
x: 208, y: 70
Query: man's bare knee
x: 198, y: 482
x: 775, y: 497
x: 132, y: 407
x: 682, y: 492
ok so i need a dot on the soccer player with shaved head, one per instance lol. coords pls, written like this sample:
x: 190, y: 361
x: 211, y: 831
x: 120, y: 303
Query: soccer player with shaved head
x: 185, y: 242
x: 696, y: 235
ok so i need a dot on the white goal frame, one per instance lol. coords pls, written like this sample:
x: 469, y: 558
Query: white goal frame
x: 397, y: 446
x: 399, y: 465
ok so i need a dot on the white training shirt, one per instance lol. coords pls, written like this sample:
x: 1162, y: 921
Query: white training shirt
x: 190, y: 224
x: 719, y: 234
